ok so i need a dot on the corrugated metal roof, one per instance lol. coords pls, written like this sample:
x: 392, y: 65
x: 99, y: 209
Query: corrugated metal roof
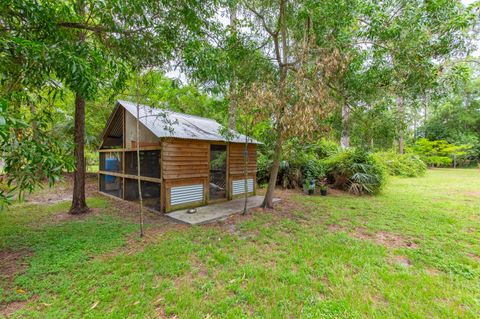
x: 165, y: 123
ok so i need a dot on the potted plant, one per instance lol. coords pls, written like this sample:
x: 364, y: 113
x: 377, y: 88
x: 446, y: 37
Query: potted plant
x: 323, y: 186
x: 309, y: 186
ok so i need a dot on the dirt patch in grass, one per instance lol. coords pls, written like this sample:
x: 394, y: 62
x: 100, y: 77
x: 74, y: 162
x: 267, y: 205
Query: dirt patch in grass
x: 473, y: 194
x: 383, y: 238
x: 393, y: 240
x: 471, y: 230
x: 379, y: 300
x: 400, y: 260
x: 65, y: 216
x: 337, y: 192
x: 335, y: 228
x: 12, y: 263
x: 8, y: 309
x: 433, y: 271
x: 62, y: 191
x: 474, y: 256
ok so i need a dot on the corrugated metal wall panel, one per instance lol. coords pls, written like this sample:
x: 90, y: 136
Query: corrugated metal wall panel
x: 238, y: 186
x: 186, y: 194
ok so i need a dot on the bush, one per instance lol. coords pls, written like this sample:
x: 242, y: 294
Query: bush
x: 356, y: 171
x: 440, y: 152
x: 324, y: 148
x: 296, y: 166
x: 407, y: 165
x: 264, y: 163
x: 295, y: 170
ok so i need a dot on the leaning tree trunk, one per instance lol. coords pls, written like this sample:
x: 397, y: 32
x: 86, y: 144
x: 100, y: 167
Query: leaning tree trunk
x: 282, y: 59
x: 79, y: 205
x: 345, y: 139
x: 268, y: 200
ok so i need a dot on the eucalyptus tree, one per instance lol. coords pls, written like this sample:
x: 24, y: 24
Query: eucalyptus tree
x: 417, y: 38
x: 226, y: 59
x: 293, y: 93
x: 88, y: 45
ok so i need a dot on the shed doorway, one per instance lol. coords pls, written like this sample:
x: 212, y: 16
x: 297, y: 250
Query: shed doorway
x: 218, y: 172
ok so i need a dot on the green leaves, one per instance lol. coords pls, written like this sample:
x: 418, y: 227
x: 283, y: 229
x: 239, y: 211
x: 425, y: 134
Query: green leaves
x: 440, y: 152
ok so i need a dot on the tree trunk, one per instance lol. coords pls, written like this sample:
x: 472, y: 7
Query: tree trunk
x: 402, y: 124
x: 345, y: 139
x: 79, y: 205
x: 245, y: 172
x: 232, y: 106
x: 268, y: 200
x: 139, y: 182
x: 282, y: 59
x: 401, y: 143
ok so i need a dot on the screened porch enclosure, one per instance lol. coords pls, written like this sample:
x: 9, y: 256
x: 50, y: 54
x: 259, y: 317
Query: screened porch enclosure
x: 185, y: 164
x: 118, y: 176
x: 118, y: 165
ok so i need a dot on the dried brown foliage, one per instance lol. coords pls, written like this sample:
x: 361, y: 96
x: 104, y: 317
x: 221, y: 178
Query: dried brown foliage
x: 306, y: 96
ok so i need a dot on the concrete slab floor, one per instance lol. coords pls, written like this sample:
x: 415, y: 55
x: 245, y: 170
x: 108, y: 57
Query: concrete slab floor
x: 214, y: 212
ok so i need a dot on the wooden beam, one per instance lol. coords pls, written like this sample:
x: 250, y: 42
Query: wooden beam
x: 144, y: 148
x: 143, y: 178
x: 121, y: 199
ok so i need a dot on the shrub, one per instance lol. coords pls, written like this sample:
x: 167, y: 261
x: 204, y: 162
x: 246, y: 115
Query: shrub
x: 407, y: 165
x: 296, y: 169
x: 298, y: 164
x: 440, y: 152
x: 324, y: 148
x: 264, y: 163
x: 356, y: 171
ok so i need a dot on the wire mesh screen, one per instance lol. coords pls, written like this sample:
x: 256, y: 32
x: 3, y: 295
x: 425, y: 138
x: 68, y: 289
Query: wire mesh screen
x: 111, y: 185
x: 150, y: 193
x: 218, y: 172
x: 111, y: 161
x: 149, y: 163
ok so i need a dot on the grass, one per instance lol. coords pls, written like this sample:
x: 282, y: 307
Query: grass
x: 410, y: 252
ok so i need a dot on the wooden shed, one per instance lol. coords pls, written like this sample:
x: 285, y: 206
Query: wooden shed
x: 185, y: 160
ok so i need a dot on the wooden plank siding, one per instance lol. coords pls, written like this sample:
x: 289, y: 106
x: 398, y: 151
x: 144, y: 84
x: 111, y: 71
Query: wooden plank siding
x: 237, y: 165
x: 184, y: 159
x: 184, y: 162
x: 237, y: 161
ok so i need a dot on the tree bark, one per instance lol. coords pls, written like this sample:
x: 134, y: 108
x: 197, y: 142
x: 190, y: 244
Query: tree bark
x: 139, y: 182
x: 245, y: 171
x: 281, y: 57
x: 268, y: 200
x: 79, y: 204
x: 232, y: 106
x: 345, y: 138
x: 401, y: 110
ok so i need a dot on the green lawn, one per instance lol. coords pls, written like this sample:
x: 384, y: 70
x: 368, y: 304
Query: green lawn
x: 410, y: 252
